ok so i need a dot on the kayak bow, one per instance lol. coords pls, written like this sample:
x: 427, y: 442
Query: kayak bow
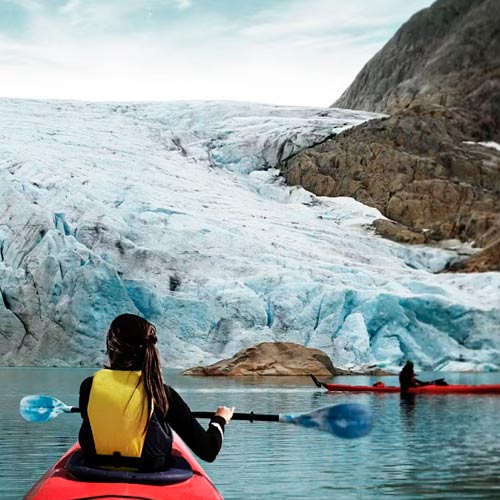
x: 58, y: 484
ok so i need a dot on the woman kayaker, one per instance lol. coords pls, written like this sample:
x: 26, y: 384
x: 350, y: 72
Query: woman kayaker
x: 407, y: 377
x: 128, y: 412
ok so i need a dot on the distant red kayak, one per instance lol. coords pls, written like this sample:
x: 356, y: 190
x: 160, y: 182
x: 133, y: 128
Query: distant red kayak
x: 58, y: 484
x: 424, y: 389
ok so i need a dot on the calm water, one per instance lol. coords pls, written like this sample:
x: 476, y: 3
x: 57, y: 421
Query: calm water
x: 434, y: 447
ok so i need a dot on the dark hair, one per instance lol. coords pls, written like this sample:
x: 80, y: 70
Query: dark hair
x: 407, y: 368
x: 130, y: 344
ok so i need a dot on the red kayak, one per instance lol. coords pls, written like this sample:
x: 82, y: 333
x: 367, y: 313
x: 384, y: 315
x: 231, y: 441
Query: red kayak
x: 187, y: 481
x: 424, y: 389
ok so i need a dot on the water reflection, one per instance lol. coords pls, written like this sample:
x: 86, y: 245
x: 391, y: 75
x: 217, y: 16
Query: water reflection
x: 407, y: 403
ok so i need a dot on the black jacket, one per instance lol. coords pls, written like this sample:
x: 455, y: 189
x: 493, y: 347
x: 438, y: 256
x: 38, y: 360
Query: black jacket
x: 206, y: 444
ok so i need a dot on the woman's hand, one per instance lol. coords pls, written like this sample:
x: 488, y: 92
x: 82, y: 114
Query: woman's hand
x: 225, y: 412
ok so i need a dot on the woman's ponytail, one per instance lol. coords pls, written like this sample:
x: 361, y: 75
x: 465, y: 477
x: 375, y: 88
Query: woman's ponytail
x: 152, y: 373
x: 130, y: 344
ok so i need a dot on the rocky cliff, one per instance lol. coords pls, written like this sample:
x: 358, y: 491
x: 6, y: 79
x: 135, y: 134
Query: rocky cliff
x: 447, y: 54
x: 431, y: 166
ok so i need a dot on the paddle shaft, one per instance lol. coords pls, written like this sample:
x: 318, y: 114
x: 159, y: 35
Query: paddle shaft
x: 241, y: 416
x: 209, y: 414
x: 439, y: 381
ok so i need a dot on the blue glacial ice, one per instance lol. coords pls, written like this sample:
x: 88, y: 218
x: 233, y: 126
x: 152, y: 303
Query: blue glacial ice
x: 177, y: 211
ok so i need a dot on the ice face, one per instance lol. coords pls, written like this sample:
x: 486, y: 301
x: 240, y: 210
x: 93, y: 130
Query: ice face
x: 177, y: 212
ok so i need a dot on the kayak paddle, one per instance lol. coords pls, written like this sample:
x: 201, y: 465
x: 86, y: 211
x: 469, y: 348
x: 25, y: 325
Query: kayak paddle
x: 37, y: 408
x: 316, y: 381
x: 439, y: 381
x: 346, y: 420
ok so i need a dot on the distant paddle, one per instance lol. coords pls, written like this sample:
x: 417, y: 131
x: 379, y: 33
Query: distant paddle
x: 317, y: 382
x: 346, y: 420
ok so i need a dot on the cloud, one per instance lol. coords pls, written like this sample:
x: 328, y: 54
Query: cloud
x: 334, y: 18
x: 183, y: 4
x: 285, y: 52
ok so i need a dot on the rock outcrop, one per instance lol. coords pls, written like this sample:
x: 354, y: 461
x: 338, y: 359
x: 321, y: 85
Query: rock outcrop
x: 422, y: 167
x: 279, y: 358
x: 272, y: 358
x: 487, y: 260
x: 418, y: 169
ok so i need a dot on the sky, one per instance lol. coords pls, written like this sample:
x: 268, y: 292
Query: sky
x: 286, y: 52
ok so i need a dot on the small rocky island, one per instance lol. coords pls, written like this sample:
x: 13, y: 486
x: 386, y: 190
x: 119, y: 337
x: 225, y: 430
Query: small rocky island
x: 275, y: 358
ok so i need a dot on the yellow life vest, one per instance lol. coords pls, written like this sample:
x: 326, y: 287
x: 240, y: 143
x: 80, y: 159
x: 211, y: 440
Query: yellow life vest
x: 117, y: 413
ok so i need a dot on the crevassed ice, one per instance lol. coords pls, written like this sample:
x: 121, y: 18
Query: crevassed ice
x: 177, y: 212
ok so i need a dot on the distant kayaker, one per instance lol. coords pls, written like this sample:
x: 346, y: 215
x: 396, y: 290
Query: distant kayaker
x: 407, y: 377
x: 129, y: 413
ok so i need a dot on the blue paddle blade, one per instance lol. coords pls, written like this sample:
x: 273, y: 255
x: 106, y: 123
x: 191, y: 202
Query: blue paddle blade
x: 41, y: 408
x: 348, y: 420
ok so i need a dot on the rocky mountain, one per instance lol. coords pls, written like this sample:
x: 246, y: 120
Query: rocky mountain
x: 447, y: 54
x: 432, y: 167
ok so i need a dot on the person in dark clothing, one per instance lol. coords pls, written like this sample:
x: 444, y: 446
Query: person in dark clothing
x: 129, y: 413
x: 407, y: 378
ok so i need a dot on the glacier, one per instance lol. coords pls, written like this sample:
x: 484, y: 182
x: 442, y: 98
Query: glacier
x: 177, y: 211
